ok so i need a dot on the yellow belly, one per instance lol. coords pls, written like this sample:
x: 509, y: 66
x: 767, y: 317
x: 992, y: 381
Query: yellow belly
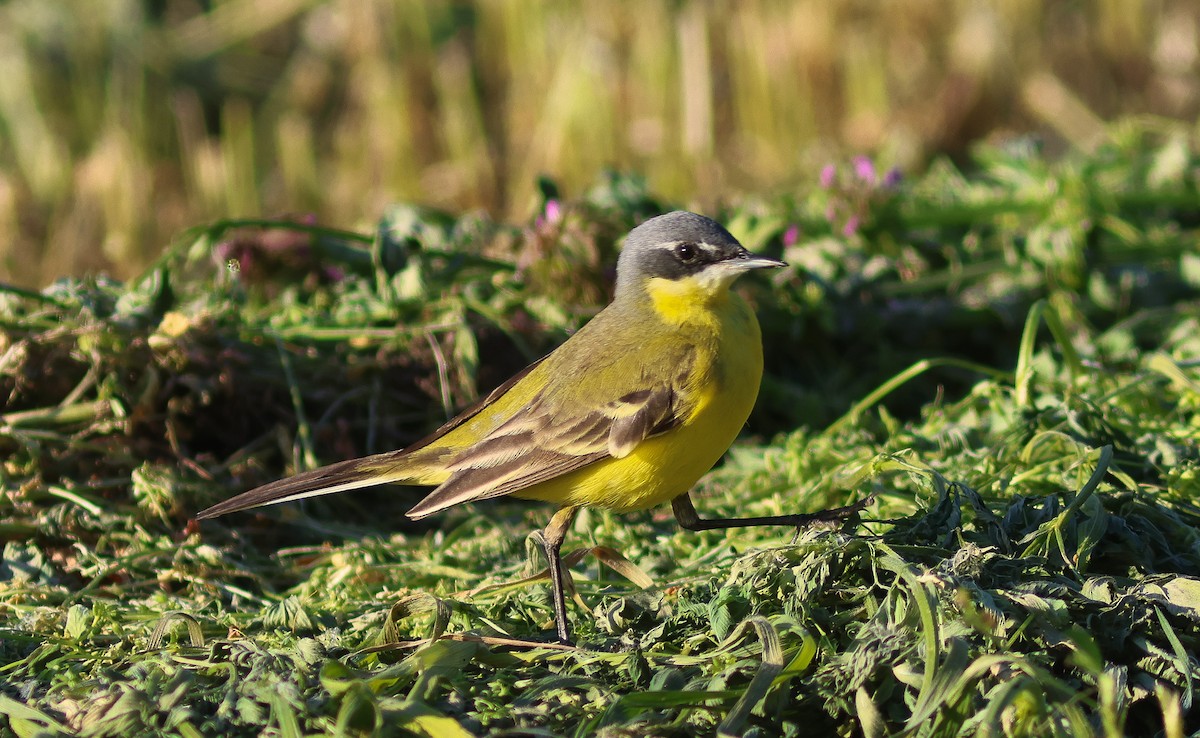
x: 666, y: 466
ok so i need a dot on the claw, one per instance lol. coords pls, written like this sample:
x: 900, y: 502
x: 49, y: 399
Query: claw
x: 832, y: 515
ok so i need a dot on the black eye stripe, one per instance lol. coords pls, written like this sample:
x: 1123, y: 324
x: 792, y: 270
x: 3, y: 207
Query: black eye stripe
x: 666, y: 262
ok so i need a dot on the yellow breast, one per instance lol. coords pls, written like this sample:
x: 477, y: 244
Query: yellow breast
x: 722, y: 388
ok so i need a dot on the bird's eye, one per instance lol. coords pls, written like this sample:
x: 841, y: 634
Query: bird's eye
x: 685, y: 252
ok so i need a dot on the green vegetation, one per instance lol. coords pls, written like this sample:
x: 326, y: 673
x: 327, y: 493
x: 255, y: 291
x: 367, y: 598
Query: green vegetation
x: 1005, y: 356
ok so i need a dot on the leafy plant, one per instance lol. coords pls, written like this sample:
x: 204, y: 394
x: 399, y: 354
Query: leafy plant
x: 1005, y: 358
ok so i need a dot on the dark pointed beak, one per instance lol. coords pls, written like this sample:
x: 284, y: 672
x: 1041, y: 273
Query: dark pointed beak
x: 747, y: 260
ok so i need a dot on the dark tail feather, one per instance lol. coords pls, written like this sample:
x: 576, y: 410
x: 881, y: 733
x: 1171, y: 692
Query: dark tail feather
x: 340, y: 477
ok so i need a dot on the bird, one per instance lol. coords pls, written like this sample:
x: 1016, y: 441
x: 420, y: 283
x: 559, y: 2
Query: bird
x: 627, y: 414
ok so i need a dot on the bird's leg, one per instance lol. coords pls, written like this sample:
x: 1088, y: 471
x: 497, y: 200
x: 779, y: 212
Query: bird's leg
x: 686, y: 514
x: 553, y: 537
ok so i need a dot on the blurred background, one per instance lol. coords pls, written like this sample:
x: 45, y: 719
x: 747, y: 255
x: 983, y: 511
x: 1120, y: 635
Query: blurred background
x: 122, y: 122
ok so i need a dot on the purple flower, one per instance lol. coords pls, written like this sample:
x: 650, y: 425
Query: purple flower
x: 892, y: 178
x: 791, y: 235
x: 864, y: 169
x: 552, y: 212
x: 851, y: 226
x: 828, y: 174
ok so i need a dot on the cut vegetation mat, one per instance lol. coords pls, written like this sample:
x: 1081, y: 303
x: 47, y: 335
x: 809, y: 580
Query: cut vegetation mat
x: 1006, y: 356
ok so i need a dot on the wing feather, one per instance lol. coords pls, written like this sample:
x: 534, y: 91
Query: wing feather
x: 652, y: 411
x: 546, y: 440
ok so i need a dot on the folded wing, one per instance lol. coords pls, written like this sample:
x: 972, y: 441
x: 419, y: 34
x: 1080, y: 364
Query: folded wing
x: 547, y: 441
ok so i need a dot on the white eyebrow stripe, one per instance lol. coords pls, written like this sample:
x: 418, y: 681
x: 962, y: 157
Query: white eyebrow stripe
x: 704, y: 245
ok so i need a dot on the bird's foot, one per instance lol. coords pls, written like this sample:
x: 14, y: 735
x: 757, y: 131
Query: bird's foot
x: 832, y: 515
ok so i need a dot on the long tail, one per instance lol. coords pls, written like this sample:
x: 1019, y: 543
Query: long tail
x: 340, y: 477
x: 424, y: 463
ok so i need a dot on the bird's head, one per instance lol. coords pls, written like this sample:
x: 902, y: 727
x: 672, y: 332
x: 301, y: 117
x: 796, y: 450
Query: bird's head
x: 683, y: 257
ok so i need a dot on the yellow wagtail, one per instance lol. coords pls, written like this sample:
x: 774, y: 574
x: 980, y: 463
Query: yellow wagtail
x: 626, y: 414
